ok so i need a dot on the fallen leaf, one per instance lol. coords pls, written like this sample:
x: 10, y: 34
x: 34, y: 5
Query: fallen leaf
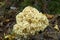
x: 49, y: 16
x: 56, y: 27
x: 7, y: 20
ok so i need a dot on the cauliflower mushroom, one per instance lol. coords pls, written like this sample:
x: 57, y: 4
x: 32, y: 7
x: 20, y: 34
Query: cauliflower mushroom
x: 30, y: 21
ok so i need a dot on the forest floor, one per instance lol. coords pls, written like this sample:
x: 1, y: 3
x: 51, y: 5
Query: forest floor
x: 52, y: 32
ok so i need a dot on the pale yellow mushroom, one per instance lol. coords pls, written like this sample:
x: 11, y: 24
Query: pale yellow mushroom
x: 30, y: 21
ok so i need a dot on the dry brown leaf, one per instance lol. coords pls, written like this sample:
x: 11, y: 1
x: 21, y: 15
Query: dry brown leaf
x: 49, y: 16
x: 7, y: 20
